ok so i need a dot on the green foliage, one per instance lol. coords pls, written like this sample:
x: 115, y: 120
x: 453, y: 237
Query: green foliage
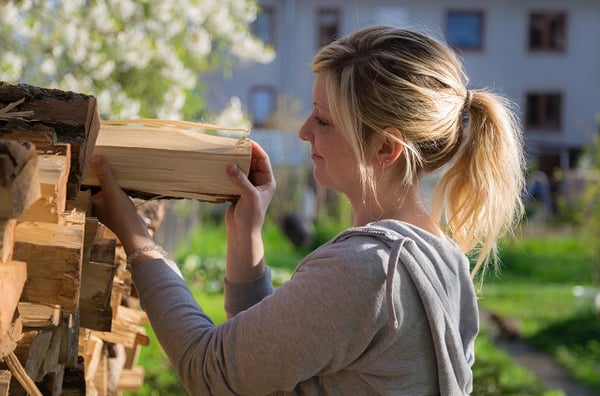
x: 592, y: 204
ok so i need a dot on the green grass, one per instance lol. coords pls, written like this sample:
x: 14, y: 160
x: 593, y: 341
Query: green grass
x: 535, y: 285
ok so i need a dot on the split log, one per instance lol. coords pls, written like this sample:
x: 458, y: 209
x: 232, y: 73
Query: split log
x: 5, y: 377
x: 53, y: 170
x: 14, y: 334
x: 95, y: 309
x: 98, y: 271
x: 19, y: 182
x: 7, y: 239
x: 39, y: 316
x: 81, y: 203
x: 53, y: 253
x: 69, y: 349
x: 91, y: 348
x: 131, y: 380
x: 12, y: 279
x: 170, y: 159
x: 21, y: 376
x: 100, y: 383
x: 124, y: 334
x: 59, y: 116
x: 39, y: 351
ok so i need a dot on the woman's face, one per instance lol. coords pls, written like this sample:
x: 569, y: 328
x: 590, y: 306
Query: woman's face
x: 335, y: 164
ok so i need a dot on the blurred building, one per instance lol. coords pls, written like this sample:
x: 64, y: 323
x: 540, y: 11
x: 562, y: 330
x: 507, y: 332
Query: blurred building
x: 543, y: 54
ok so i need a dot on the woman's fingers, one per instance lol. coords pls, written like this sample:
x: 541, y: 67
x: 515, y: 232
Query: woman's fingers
x: 104, y: 173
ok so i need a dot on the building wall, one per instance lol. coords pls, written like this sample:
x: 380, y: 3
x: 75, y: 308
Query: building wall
x: 504, y: 64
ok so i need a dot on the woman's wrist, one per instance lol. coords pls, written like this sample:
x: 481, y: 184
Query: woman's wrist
x: 145, y: 253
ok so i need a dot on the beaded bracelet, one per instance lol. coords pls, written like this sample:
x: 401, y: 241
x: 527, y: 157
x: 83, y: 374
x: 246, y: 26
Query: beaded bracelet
x: 144, y: 249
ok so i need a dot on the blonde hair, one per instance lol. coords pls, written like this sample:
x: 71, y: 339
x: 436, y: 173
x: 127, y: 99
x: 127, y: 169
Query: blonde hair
x: 385, y: 77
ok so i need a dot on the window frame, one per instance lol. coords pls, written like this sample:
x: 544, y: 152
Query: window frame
x: 320, y: 37
x: 270, y: 12
x: 272, y: 106
x: 481, y: 34
x: 546, y: 46
x: 542, y: 125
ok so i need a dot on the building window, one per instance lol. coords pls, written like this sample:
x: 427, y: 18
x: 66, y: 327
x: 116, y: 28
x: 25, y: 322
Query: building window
x: 328, y: 20
x: 544, y: 111
x: 464, y: 29
x: 547, y: 31
x: 264, y: 25
x: 261, y: 104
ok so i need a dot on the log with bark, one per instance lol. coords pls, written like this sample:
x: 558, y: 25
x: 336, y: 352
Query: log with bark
x: 49, y: 116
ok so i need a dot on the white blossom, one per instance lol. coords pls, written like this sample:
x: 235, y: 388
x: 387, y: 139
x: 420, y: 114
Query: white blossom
x: 11, y: 66
x: 48, y: 67
x: 232, y: 115
x: 198, y: 41
x: 112, y: 48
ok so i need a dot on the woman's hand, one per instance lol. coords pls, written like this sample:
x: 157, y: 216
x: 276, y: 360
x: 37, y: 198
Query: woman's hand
x: 245, y: 217
x: 115, y: 210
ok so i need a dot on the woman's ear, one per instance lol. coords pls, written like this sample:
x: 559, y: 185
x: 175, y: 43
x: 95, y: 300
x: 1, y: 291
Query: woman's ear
x: 389, y: 147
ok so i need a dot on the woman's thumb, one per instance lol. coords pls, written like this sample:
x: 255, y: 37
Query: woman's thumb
x: 103, y: 172
x: 238, y: 177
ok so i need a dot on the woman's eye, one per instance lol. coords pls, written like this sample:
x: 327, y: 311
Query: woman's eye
x: 320, y: 122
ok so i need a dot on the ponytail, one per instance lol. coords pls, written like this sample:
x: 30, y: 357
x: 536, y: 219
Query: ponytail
x: 480, y: 193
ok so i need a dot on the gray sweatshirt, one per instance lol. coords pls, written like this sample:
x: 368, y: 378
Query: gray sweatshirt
x: 385, y: 309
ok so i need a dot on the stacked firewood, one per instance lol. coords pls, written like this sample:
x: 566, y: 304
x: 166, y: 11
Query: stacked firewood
x: 69, y: 319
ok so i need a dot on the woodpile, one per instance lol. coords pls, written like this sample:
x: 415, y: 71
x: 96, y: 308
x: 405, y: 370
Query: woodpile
x: 70, y: 323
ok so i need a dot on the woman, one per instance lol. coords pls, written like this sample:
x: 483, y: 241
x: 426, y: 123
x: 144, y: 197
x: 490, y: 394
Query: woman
x: 387, y: 306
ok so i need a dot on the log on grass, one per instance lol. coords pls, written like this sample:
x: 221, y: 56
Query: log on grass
x: 52, y: 116
x: 169, y: 159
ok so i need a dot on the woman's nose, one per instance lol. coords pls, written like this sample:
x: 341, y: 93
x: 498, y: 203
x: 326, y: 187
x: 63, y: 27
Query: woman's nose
x: 303, y: 132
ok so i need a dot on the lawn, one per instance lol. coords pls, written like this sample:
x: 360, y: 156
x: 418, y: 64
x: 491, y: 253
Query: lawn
x: 534, y: 285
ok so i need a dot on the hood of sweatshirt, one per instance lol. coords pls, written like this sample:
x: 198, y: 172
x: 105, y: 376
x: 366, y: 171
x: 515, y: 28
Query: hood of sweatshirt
x: 446, y: 291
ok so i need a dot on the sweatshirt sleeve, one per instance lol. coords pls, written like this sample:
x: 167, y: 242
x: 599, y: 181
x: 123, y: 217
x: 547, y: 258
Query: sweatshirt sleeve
x: 239, y: 297
x: 312, y: 325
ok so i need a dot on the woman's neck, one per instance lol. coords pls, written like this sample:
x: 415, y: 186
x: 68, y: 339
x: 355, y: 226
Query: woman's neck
x: 407, y: 207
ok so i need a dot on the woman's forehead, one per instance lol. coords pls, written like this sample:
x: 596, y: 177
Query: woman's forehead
x: 320, y: 99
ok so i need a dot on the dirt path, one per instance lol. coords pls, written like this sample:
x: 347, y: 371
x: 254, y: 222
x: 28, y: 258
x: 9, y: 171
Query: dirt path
x: 551, y: 374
